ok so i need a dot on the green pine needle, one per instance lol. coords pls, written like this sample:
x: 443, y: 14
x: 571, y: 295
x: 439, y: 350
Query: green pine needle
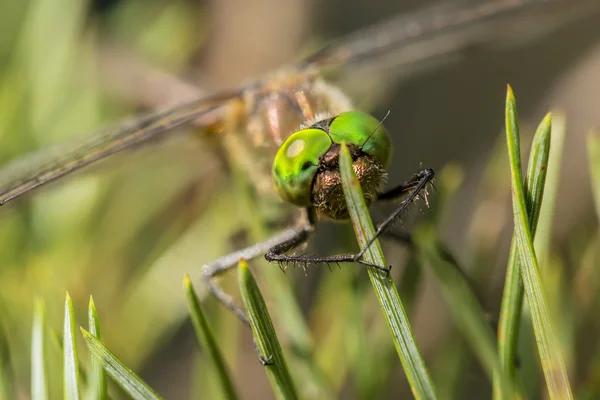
x: 121, y: 374
x: 557, y: 380
x: 70, y: 360
x: 512, y: 300
x: 39, y: 380
x: 265, y: 336
x: 464, y: 306
x: 385, y: 289
x: 206, y: 340
x: 97, y: 389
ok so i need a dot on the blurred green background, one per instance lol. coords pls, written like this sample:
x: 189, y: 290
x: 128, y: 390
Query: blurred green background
x: 127, y: 230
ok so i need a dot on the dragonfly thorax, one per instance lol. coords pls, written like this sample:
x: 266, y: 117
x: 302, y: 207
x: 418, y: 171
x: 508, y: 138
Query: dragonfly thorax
x: 306, y: 171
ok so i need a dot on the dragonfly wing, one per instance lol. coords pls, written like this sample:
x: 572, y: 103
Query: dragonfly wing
x: 460, y: 24
x: 367, y: 62
x: 46, y: 165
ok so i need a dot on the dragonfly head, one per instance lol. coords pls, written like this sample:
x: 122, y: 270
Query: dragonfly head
x: 306, y: 167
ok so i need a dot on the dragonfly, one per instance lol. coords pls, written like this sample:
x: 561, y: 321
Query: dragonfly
x: 258, y: 122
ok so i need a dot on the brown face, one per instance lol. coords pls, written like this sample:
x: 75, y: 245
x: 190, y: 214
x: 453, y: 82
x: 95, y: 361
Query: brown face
x: 327, y: 193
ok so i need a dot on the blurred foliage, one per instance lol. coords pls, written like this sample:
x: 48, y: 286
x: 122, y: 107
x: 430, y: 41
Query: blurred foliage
x: 128, y: 232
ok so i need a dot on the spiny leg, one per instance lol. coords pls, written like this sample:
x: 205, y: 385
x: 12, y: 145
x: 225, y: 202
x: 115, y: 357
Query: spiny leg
x: 231, y: 260
x: 402, y: 237
x: 405, y: 238
x: 414, y: 187
x: 278, y: 253
x: 413, y: 183
x: 274, y: 250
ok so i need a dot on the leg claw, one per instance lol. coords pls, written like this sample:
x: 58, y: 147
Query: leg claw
x: 379, y: 267
x: 266, y: 361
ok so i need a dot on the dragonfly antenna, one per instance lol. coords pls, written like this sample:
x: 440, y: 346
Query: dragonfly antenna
x: 375, y: 130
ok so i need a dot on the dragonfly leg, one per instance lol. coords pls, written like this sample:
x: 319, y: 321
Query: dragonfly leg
x: 229, y: 261
x: 278, y: 252
x: 415, y: 182
x: 405, y: 238
x: 222, y: 296
x: 414, y: 186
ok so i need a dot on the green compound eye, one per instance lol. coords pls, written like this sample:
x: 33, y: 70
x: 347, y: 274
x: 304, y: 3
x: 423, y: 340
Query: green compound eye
x: 363, y: 130
x: 296, y: 164
x: 297, y: 160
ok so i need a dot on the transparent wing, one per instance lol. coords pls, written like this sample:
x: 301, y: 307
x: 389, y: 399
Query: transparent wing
x: 460, y: 23
x: 367, y: 63
x: 46, y: 165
